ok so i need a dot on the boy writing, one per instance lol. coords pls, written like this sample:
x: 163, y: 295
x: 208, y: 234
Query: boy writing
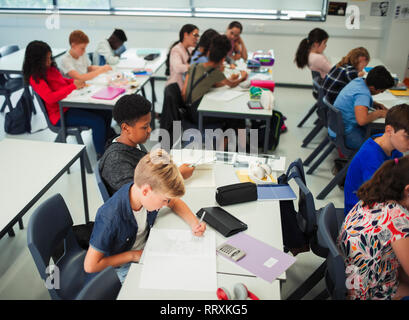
x: 117, y: 165
x: 122, y: 224
x: 376, y: 150
x: 108, y: 51
x: 75, y: 63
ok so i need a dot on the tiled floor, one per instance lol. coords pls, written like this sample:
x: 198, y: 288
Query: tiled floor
x: 19, y: 278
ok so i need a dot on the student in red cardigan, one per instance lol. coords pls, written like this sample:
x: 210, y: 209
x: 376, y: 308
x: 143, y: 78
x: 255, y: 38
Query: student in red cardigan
x: 41, y: 72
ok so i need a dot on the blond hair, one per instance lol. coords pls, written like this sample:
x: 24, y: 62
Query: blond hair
x: 78, y: 37
x: 159, y: 171
x: 352, y: 57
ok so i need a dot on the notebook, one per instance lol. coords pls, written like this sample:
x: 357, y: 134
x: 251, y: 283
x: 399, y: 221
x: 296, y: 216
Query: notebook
x: 108, y: 93
x: 275, y: 192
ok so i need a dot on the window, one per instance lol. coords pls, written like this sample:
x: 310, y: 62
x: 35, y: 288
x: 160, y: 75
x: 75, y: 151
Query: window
x: 240, y: 9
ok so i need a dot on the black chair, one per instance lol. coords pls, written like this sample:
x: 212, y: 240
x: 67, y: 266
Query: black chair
x: 329, y: 224
x: 49, y: 226
x: 9, y: 84
x: 72, y: 130
x: 316, y: 84
x: 336, y: 124
x: 104, y: 286
x: 101, y: 185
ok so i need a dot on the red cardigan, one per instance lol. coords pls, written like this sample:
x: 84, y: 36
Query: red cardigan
x: 53, y: 90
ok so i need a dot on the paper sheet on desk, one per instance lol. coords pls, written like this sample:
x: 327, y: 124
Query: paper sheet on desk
x: 192, y: 156
x: 201, y: 179
x: 225, y: 94
x: 174, y: 260
x: 131, y: 63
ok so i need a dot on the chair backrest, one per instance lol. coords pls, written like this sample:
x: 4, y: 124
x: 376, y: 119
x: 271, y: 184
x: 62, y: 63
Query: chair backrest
x: 50, y: 226
x: 6, y: 50
x: 316, y: 83
x: 101, y: 185
x: 91, y: 57
x: 40, y: 101
x: 329, y: 224
x: 104, y: 286
x: 322, y: 109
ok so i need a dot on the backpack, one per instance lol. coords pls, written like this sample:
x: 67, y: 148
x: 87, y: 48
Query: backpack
x: 275, y: 130
x: 18, y: 120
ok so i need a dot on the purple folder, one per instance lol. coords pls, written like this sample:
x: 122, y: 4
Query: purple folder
x: 261, y: 259
x: 108, y: 93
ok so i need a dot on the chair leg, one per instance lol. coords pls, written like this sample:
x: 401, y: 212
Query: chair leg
x: 316, y: 151
x: 312, y: 134
x: 20, y: 224
x: 310, y: 112
x: 11, y: 232
x: 341, y: 175
x: 321, y: 159
x: 6, y: 103
x: 87, y: 162
x: 310, y: 283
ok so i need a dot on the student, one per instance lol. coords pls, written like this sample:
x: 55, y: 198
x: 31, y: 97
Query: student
x: 41, y: 72
x: 238, y: 48
x: 122, y: 223
x: 376, y: 150
x: 355, y: 101
x: 75, y: 63
x: 350, y: 67
x: 310, y: 52
x: 200, y: 53
x: 109, y: 51
x: 177, y: 62
x: 219, y: 48
x: 117, y: 165
x: 374, y: 238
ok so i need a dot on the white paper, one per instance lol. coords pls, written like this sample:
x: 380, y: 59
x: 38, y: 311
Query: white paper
x: 131, y: 63
x: 384, y: 96
x: 224, y: 95
x: 192, y: 156
x: 176, y: 260
x: 201, y: 178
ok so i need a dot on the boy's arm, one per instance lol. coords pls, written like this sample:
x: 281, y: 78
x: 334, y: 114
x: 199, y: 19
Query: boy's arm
x: 90, y: 75
x: 363, y: 117
x: 95, y: 261
x: 182, y: 210
x: 233, y: 81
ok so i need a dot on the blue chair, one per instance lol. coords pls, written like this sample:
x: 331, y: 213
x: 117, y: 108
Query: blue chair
x: 49, y: 226
x: 101, y: 185
x: 104, y: 286
x: 72, y: 130
x: 316, y: 85
x: 329, y: 224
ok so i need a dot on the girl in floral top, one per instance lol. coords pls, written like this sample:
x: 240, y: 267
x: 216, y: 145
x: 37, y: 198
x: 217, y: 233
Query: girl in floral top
x: 374, y: 237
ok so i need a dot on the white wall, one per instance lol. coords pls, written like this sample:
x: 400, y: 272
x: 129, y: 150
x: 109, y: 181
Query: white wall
x: 384, y: 37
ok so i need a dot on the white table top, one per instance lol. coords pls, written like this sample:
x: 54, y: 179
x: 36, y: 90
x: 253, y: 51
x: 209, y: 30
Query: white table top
x: 26, y: 167
x: 13, y: 63
x: 85, y: 95
x: 130, y: 289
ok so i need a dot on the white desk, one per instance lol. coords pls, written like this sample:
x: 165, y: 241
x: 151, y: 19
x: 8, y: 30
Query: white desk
x: 28, y: 169
x: 83, y: 98
x: 264, y: 223
x: 13, y: 63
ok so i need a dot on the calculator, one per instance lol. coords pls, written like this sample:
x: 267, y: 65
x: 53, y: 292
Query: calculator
x: 231, y: 252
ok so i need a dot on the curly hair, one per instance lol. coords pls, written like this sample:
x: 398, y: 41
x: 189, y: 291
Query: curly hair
x: 353, y: 56
x: 387, y: 183
x: 34, y: 64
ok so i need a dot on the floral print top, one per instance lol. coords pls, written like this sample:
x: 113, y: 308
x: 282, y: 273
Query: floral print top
x: 365, y: 241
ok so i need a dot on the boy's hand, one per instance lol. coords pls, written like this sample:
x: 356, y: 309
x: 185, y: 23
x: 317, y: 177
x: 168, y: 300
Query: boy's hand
x: 106, y: 68
x: 243, y: 75
x: 136, y: 255
x: 199, y: 229
x: 381, y: 113
x: 79, y: 84
x: 186, y: 171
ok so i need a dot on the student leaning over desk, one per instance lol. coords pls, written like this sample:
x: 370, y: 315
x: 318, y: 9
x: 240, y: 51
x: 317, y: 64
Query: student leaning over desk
x: 355, y: 103
x: 108, y: 51
x: 75, y: 63
x: 201, y: 52
x: 374, y: 238
x: 122, y: 223
x: 376, y: 150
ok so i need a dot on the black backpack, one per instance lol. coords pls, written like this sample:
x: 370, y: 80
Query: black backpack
x: 275, y: 130
x: 18, y: 120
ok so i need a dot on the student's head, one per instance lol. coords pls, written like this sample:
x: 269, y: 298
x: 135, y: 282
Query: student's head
x: 117, y: 39
x: 158, y: 180
x: 379, y: 79
x: 219, y: 48
x: 78, y: 42
x: 316, y: 40
x: 397, y: 127
x: 358, y: 58
x: 133, y: 114
x: 234, y: 30
x: 189, y: 35
x: 37, y: 59
x: 205, y: 40
x: 389, y: 183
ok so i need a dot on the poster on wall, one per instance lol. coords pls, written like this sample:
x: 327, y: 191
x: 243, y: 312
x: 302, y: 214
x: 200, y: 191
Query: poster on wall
x: 337, y: 8
x: 402, y: 12
x: 380, y: 9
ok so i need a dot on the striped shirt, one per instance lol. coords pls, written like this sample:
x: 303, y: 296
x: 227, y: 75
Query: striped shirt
x: 336, y: 79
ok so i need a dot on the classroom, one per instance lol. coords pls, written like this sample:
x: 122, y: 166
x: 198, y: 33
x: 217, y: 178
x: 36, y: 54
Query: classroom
x: 204, y: 151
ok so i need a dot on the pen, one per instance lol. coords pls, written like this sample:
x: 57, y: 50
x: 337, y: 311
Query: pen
x: 196, y: 163
x: 201, y: 218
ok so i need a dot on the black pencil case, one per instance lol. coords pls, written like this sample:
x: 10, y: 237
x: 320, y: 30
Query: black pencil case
x: 236, y: 193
